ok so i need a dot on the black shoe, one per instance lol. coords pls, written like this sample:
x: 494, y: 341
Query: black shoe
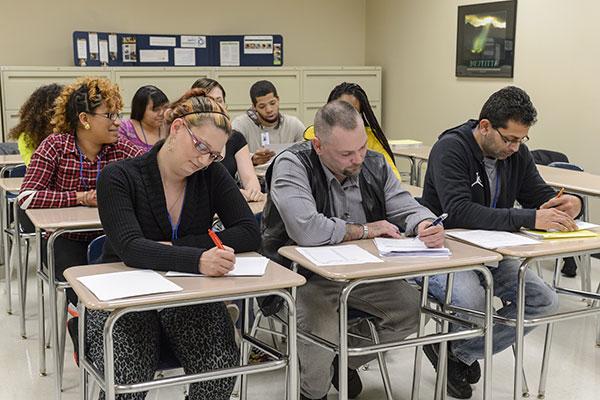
x: 72, y: 328
x: 303, y: 397
x: 474, y: 372
x: 458, y: 386
x: 569, y: 269
x: 354, y: 382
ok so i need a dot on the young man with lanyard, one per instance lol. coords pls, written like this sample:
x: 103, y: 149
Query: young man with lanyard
x: 331, y: 190
x: 264, y: 125
x: 476, y: 171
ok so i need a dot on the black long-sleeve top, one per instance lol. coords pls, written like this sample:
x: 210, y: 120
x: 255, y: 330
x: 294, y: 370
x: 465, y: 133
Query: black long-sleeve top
x: 133, y: 211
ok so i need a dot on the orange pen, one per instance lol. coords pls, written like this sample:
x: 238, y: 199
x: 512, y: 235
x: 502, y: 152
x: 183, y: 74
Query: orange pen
x: 215, y: 239
x: 560, y: 193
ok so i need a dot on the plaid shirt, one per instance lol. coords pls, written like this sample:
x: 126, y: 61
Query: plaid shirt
x: 56, y: 173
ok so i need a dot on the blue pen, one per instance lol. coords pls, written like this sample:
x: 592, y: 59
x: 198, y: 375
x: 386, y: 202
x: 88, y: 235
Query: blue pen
x: 439, y: 219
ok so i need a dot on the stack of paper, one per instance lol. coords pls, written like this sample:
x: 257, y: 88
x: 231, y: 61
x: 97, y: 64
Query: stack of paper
x: 413, y: 247
x: 244, y: 266
x: 402, y: 143
x: 338, y: 255
x: 119, y: 285
x: 492, y: 239
x: 581, y: 232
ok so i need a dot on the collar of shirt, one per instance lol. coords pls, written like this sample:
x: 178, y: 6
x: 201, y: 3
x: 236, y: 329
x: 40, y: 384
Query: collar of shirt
x: 70, y: 146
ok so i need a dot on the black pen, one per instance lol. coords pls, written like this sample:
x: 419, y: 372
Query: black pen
x: 439, y: 219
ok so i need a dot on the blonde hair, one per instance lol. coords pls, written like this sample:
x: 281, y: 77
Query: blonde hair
x: 197, y: 108
x: 85, y: 95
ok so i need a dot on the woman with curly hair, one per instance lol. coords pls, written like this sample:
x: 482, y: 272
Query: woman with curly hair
x: 145, y: 127
x: 34, y: 120
x: 156, y: 210
x: 64, y: 168
x: 354, y: 94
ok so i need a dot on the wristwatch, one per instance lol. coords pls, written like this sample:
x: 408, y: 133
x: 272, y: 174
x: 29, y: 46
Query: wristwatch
x: 365, y: 234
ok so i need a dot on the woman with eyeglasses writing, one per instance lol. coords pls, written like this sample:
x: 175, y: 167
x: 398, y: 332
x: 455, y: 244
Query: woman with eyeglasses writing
x: 156, y: 211
x: 64, y: 169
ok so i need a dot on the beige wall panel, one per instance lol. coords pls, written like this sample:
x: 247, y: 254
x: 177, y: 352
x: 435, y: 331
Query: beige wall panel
x: 237, y: 84
x: 173, y: 81
x: 311, y: 109
x: 318, y: 83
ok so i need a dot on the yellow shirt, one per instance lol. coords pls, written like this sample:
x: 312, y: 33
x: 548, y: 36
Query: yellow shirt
x: 24, y: 149
x: 372, y: 144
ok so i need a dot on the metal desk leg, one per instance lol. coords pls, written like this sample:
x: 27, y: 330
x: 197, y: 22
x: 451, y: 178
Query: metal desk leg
x: 244, y: 348
x: 489, y: 337
x: 292, y: 338
x: 343, y: 348
x: 41, y: 302
x: 53, y: 300
x: 21, y: 272
x: 83, y: 375
x: 5, y: 247
x: 418, y: 350
x: 440, y: 382
x: 520, y: 331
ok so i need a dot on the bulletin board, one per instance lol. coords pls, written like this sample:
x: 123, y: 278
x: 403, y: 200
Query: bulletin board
x: 93, y: 49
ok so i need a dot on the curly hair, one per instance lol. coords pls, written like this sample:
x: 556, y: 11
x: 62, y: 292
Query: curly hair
x: 85, y: 95
x: 509, y: 104
x: 197, y: 108
x: 35, y: 115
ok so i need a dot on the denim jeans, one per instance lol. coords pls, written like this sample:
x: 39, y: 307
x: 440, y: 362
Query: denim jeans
x: 469, y: 292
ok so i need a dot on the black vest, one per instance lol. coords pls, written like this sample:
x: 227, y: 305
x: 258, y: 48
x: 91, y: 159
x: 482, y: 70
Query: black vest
x: 372, y: 178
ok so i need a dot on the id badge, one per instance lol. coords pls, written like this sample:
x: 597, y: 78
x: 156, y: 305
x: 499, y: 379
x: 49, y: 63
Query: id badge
x: 264, y: 139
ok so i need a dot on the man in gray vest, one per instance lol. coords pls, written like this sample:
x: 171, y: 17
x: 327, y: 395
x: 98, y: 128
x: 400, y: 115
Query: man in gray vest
x: 329, y: 191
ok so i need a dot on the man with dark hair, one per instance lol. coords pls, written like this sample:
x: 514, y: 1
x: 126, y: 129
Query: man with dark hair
x: 264, y: 125
x: 476, y: 172
x: 328, y: 191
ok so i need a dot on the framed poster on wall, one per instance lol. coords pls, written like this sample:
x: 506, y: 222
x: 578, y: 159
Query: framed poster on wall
x: 485, y: 44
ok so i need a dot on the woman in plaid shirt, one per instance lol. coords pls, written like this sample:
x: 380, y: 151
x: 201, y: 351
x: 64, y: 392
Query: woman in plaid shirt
x: 65, y: 167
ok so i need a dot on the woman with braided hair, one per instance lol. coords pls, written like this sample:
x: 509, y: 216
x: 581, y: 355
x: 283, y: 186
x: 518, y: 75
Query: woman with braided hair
x: 352, y: 93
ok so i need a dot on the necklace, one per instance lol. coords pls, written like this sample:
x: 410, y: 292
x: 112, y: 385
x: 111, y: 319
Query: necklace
x: 181, y: 192
x: 144, y: 133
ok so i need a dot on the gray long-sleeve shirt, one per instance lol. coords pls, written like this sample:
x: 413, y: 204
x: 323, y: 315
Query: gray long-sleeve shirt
x: 292, y: 195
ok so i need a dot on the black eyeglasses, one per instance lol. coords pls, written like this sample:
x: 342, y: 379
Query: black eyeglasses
x: 111, y: 116
x: 513, y: 141
x: 202, y: 147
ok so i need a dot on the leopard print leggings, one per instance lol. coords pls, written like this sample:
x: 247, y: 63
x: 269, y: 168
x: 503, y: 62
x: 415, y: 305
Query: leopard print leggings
x: 201, y: 338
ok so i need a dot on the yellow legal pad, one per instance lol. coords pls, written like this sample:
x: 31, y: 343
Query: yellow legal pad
x: 583, y: 233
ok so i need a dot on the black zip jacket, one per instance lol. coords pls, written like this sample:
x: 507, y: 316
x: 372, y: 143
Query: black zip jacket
x: 456, y: 183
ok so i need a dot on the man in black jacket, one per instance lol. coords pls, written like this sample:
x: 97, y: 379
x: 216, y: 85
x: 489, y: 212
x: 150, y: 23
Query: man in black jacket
x: 476, y: 172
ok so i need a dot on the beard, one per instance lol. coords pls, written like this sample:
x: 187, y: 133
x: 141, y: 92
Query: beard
x: 352, y: 171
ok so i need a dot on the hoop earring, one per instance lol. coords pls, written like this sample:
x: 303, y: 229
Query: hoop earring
x: 170, y: 144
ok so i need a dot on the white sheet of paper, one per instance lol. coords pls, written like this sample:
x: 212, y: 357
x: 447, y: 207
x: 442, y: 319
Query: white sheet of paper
x: 258, y: 44
x: 103, y: 51
x: 492, y: 239
x: 185, y: 56
x: 82, y: 48
x: 338, y: 255
x: 408, y: 247
x: 163, y: 41
x: 193, y: 41
x: 244, y: 266
x: 93, y: 39
x: 119, y: 285
x: 154, y: 55
x: 230, y: 54
x: 112, y: 43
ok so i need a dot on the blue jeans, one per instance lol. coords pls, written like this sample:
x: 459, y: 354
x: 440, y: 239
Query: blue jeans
x: 468, y: 292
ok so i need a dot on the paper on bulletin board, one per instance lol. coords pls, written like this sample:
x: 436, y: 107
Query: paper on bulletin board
x: 161, y: 56
x: 93, y: 41
x: 163, y: 41
x: 81, y: 49
x: 112, y: 46
x: 258, y: 44
x: 103, y: 51
x: 129, y: 49
x: 185, y: 57
x: 193, y: 41
x: 230, y: 54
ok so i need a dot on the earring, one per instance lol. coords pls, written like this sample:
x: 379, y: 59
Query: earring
x: 87, y: 126
x: 170, y: 144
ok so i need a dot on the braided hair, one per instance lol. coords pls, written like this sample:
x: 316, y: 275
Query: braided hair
x: 365, y: 111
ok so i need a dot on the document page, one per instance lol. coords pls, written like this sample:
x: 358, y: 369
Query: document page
x: 338, y: 255
x: 410, y: 247
x: 119, y: 285
x: 244, y: 266
x: 492, y: 239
